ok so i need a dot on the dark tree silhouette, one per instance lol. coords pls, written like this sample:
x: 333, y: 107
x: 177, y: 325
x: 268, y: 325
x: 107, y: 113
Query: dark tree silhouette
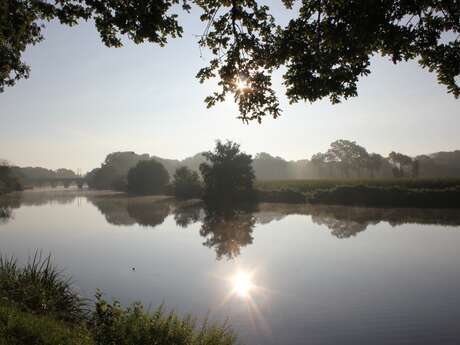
x: 324, y: 49
x: 186, y: 183
x: 8, y: 181
x: 148, y: 177
x: 229, y: 176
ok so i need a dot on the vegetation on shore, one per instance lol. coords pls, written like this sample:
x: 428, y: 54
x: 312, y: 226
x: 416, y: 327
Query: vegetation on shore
x: 8, y: 182
x: 408, y: 192
x: 38, y: 307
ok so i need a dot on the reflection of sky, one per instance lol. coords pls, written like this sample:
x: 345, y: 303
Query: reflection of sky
x: 83, y: 101
x: 385, y: 284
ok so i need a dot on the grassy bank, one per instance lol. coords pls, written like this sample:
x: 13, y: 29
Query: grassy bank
x: 38, y: 307
x: 434, y: 193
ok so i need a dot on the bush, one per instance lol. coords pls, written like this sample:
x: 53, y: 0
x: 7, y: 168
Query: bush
x: 229, y: 176
x: 37, y: 307
x: 40, y: 289
x: 147, y: 177
x: 113, y: 324
x: 21, y: 328
x: 186, y: 184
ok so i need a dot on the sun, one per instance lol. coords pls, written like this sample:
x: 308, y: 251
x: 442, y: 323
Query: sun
x: 242, y: 284
x: 241, y: 85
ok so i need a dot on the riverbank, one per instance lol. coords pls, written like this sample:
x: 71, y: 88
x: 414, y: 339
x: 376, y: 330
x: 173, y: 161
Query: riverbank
x: 38, y: 306
x: 424, y: 193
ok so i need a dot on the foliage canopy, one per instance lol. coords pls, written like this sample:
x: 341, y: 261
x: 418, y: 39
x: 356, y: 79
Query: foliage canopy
x: 324, y: 48
x: 147, y: 177
x: 229, y: 176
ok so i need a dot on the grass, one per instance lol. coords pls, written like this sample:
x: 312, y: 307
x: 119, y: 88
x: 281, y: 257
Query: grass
x: 38, y: 307
x: 39, y: 288
x: 24, y: 328
x: 404, y: 192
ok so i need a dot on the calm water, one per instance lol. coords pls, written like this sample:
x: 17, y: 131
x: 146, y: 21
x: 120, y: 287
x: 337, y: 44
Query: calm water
x: 282, y: 274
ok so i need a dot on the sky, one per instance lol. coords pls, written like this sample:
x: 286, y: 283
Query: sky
x: 84, y: 100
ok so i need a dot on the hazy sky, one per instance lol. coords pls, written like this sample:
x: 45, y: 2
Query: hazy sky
x: 84, y: 100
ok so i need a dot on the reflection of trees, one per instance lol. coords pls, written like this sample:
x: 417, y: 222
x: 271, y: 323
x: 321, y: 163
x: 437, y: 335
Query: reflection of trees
x: 7, y: 204
x: 184, y: 215
x: 148, y: 214
x: 343, y: 221
x: 123, y: 210
x: 227, y: 230
x: 5, y: 214
x: 348, y: 221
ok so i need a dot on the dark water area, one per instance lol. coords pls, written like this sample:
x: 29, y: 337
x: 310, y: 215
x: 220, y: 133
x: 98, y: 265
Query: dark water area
x: 281, y: 274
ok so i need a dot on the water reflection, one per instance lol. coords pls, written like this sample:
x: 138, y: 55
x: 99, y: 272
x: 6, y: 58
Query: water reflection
x: 226, y: 230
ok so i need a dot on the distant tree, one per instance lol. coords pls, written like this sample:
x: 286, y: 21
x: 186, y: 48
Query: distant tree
x: 8, y: 181
x: 147, y: 177
x: 324, y: 49
x: 186, y: 183
x: 348, y: 156
x: 374, y: 163
x: 229, y: 176
x: 319, y: 162
x: 415, y: 168
x: 399, y: 162
x: 114, y: 170
x: 267, y: 167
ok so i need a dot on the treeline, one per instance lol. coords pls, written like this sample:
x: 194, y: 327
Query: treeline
x: 227, y: 175
x: 34, y: 174
x: 344, y: 159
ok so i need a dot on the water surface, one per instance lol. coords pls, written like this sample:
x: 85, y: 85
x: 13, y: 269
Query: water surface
x: 282, y: 274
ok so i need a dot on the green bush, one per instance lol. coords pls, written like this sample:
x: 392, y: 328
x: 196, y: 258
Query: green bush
x: 113, y: 324
x: 39, y: 288
x: 22, y: 328
x: 148, y: 177
x: 37, y: 307
x: 186, y: 184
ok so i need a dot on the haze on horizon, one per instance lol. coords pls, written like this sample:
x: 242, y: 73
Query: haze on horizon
x: 84, y: 100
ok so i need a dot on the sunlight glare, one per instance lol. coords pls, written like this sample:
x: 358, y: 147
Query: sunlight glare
x: 242, y: 284
x: 241, y: 85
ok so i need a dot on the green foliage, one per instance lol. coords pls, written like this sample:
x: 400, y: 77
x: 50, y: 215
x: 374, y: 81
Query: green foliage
x: 186, y: 183
x: 388, y: 197
x: 114, y: 170
x: 147, y: 177
x: 37, y: 307
x: 8, y: 182
x: 23, y: 328
x: 229, y: 177
x: 39, y: 288
x: 113, y: 324
x: 308, y: 186
x: 324, y: 49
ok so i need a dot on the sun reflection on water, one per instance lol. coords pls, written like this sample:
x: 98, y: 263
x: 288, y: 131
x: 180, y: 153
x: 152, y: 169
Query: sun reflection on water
x: 242, y: 284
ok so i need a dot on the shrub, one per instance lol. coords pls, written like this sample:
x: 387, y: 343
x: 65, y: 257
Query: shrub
x: 186, y: 184
x: 229, y: 176
x: 37, y: 307
x: 113, y: 324
x: 148, y: 177
x: 39, y: 288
